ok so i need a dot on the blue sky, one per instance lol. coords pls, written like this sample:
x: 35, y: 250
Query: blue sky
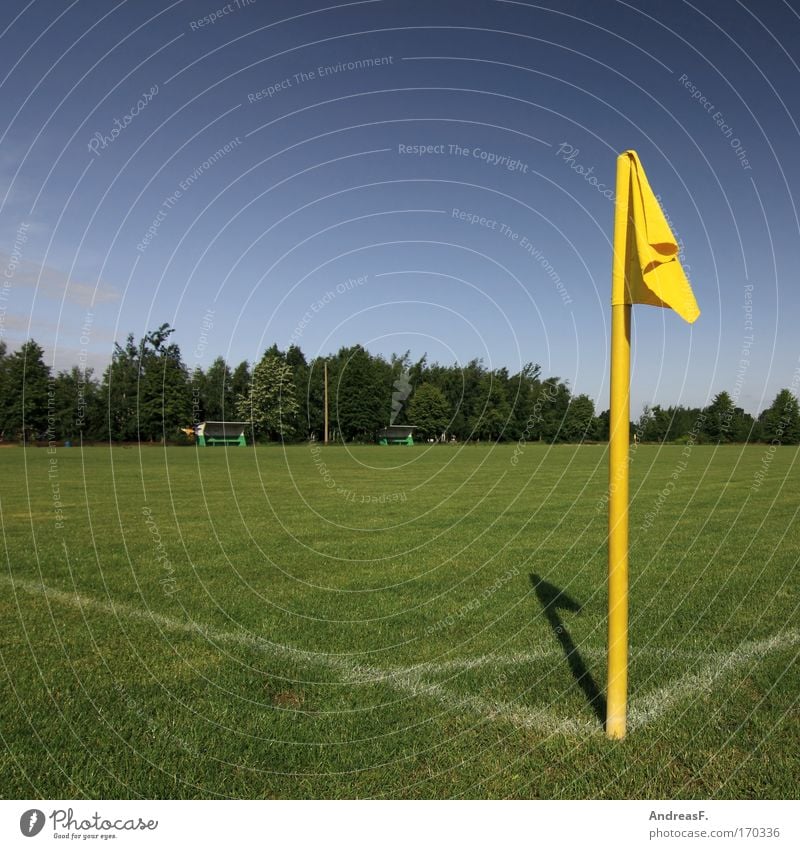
x: 251, y: 173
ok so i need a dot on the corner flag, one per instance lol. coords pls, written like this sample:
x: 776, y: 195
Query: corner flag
x: 653, y: 273
x: 645, y: 270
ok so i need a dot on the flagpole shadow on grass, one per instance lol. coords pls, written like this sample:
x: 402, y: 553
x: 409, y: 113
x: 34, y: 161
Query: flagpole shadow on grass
x: 552, y: 600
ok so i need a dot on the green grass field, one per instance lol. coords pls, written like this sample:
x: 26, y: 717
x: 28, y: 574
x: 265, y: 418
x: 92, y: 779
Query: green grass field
x: 394, y: 622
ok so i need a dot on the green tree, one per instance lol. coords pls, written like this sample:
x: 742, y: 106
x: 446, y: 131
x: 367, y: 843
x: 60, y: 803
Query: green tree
x: 742, y: 426
x: 601, y: 426
x: 463, y: 387
x: 3, y: 395
x: 654, y: 424
x: 644, y: 425
x: 119, y: 390
x: 780, y: 422
x: 362, y: 399
x: 493, y: 416
x: 578, y: 419
x: 429, y: 410
x: 26, y: 383
x: 686, y: 423
x: 146, y: 393
x: 301, y: 374
x: 198, y: 386
x: 164, y: 396
x: 270, y: 404
x: 719, y: 419
x: 552, y: 403
x: 313, y: 415
x: 146, y: 389
x: 217, y: 393
x: 240, y: 381
x: 76, y: 407
x: 523, y: 390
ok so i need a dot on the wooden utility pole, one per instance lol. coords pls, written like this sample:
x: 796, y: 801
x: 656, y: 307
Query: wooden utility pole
x: 325, y: 438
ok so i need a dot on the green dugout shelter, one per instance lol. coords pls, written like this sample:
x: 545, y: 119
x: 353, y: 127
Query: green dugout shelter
x: 220, y: 433
x: 396, y: 435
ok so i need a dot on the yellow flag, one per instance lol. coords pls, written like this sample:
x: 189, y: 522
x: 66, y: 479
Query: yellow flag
x: 653, y: 274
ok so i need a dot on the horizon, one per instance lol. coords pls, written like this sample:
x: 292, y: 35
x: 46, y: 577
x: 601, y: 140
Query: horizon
x: 97, y: 374
x: 228, y: 172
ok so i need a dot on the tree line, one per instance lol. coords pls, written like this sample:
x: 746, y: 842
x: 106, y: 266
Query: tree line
x: 148, y: 393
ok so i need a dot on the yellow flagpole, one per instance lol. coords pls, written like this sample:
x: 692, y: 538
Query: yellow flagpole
x: 619, y: 438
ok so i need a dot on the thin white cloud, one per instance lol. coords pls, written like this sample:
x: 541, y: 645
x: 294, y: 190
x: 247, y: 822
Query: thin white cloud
x: 52, y: 283
x: 23, y: 326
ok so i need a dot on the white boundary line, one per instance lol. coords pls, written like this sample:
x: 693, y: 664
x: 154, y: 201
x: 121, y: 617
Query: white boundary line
x: 408, y: 680
x: 544, y: 651
x: 655, y: 704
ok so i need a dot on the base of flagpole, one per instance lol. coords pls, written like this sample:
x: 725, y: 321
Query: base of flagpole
x: 615, y: 727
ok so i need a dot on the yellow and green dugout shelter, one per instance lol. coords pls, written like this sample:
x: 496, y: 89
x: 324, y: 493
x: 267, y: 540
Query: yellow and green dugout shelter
x: 220, y: 433
x: 396, y: 435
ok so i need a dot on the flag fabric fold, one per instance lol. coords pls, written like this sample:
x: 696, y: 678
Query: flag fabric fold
x: 653, y: 273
